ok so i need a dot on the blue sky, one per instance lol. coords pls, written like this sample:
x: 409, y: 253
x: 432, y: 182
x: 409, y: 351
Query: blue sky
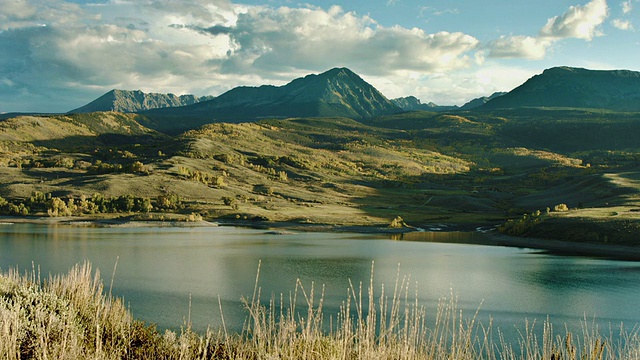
x: 58, y: 55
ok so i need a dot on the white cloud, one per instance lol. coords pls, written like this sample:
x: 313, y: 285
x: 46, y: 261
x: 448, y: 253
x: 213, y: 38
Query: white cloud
x: 19, y: 14
x: 627, y: 6
x: 17, y: 9
x: 455, y: 88
x: 580, y: 22
x: 201, y: 46
x: 523, y: 47
x: 54, y: 48
x: 622, y: 24
x: 437, y: 12
x: 281, y: 39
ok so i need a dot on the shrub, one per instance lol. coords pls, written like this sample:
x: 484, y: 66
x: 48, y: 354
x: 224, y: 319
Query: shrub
x: 398, y: 222
x: 57, y: 207
x: 561, y: 208
x: 170, y: 201
x: 523, y: 225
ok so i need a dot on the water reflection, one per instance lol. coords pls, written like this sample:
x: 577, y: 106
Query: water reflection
x: 165, y: 273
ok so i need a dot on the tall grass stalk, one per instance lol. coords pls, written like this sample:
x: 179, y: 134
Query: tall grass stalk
x: 70, y: 317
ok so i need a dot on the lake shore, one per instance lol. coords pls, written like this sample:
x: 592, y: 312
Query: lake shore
x: 569, y: 248
x: 171, y: 220
x: 103, y: 221
x: 490, y: 238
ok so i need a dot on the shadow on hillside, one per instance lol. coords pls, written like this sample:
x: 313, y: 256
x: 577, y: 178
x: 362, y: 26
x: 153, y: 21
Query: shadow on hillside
x: 596, y: 190
x: 80, y: 142
x: 470, y: 198
x: 454, y: 200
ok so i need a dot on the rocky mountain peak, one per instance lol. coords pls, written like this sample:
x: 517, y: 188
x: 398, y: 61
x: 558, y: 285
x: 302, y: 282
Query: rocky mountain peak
x: 131, y: 101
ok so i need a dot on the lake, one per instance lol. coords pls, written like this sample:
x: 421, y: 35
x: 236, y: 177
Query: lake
x: 167, y: 274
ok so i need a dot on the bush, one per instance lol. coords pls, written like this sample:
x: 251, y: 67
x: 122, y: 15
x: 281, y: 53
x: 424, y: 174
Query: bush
x: 170, y: 201
x: 398, y: 222
x: 229, y: 201
x: 561, y: 208
x: 57, y: 207
x: 523, y: 225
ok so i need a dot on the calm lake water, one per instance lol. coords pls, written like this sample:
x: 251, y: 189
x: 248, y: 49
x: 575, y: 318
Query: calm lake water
x: 161, y: 270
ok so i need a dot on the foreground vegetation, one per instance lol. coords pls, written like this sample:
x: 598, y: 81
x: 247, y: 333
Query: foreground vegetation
x: 73, y: 317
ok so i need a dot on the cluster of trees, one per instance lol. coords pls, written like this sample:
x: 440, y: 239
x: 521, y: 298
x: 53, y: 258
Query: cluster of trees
x: 21, y: 162
x: 230, y: 159
x: 97, y: 167
x: 136, y: 167
x: 527, y: 222
x: 263, y: 164
x: 203, y: 177
x: 523, y: 225
x: 9, y: 208
x: 39, y: 203
x: 281, y: 175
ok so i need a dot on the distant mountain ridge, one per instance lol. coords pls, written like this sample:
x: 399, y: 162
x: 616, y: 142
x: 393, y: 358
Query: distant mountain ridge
x: 132, y: 101
x: 338, y: 92
x: 477, y: 102
x: 617, y: 90
x: 411, y: 103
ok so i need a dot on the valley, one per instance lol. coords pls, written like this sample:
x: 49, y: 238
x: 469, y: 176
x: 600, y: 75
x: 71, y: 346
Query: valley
x: 546, y: 172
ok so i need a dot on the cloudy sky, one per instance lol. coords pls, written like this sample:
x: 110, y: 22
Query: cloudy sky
x: 58, y: 55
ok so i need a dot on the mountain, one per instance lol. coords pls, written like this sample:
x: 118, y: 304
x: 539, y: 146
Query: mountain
x: 411, y: 103
x: 338, y: 92
x: 408, y: 103
x: 134, y: 101
x: 477, y: 102
x: 617, y: 90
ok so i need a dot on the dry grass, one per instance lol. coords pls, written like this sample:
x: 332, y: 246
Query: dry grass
x: 71, y: 317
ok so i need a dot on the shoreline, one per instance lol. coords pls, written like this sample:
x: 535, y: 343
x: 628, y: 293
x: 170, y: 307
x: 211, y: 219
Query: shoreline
x: 567, y: 248
x: 491, y: 238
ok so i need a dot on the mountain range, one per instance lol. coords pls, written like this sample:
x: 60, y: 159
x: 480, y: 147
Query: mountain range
x: 337, y: 92
x: 411, y: 103
x: 340, y: 92
x: 127, y: 101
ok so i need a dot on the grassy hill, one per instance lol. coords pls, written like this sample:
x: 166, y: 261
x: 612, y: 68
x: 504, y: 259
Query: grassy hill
x: 462, y: 169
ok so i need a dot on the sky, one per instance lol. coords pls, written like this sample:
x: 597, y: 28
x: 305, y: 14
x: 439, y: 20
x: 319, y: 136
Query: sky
x: 57, y: 55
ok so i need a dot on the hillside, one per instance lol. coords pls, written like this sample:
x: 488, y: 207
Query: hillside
x: 336, y: 93
x: 617, y: 90
x: 74, y: 131
x: 320, y: 171
x: 135, y: 101
x: 463, y: 169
